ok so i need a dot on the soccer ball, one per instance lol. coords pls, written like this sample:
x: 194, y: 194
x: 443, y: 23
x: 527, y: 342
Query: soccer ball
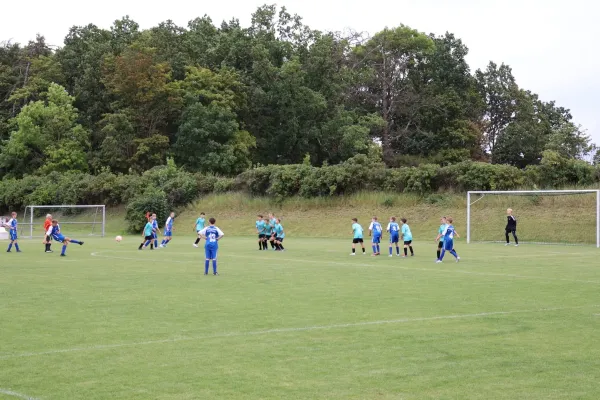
x: 119, y: 238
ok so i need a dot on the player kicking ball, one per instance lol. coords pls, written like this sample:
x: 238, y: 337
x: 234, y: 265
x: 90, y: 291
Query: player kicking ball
x: 448, y: 234
x: 56, y: 235
x: 211, y: 235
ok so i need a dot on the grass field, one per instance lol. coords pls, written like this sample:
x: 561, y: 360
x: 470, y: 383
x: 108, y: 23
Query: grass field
x: 111, y: 322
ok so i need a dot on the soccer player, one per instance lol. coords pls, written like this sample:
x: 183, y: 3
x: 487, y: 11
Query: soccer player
x: 394, y: 229
x: 147, y: 235
x: 448, y: 234
x: 375, y: 230
x: 12, y: 233
x: 211, y: 235
x: 407, y: 238
x: 267, y: 230
x: 55, y: 233
x: 511, y: 227
x: 198, y: 226
x: 47, y: 239
x: 260, y: 226
x: 440, y: 242
x: 168, y: 230
x: 272, y: 223
x: 155, y: 231
x: 279, y: 235
x: 357, y: 231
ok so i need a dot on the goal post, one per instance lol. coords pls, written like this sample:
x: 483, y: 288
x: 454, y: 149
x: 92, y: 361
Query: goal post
x: 543, y: 216
x: 82, y: 219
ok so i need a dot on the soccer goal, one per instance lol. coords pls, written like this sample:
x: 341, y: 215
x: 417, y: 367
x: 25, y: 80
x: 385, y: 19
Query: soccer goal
x: 80, y: 220
x: 543, y: 216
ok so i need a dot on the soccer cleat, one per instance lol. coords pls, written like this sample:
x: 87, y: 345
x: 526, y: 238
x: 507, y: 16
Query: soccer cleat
x: 507, y: 244
x: 412, y: 255
x: 516, y: 245
x: 8, y: 251
x: 19, y: 251
x: 161, y: 246
x: 49, y: 251
x: 352, y: 254
x: 438, y: 261
x: 195, y: 245
x: 81, y: 243
x: 63, y: 255
x: 216, y: 274
x: 403, y: 256
x: 205, y: 274
x: 391, y: 255
x: 457, y: 259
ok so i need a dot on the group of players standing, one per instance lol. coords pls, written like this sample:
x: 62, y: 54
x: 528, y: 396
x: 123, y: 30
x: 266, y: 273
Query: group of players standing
x: 270, y: 230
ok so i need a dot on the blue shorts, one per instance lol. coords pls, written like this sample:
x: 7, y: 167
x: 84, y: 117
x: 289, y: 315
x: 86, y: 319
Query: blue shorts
x: 376, y: 239
x: 59, y: 238
x: 211, y: 252
x: 154, y: 235
x: 448, y: 244
x: 168, y: 233
x: 12, y: 234
x: 394, y: 238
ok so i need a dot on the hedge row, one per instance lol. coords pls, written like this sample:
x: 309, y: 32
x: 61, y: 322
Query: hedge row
x: 163, y: 188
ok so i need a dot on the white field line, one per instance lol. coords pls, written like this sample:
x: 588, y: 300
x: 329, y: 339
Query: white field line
x: 285, y: 330
x: 15, y: 394
x: 446, y: 271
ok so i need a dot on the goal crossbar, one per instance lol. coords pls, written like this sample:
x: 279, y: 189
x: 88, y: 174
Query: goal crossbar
x: 102, y: 207
x: 532, y: 192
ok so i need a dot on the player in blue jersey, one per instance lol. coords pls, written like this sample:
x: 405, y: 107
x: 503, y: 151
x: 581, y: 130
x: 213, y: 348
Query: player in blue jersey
x: 407, y: 238
x: 357, y: 232
x: 147, y: 235
x: 394, y: 229
x: 211, y: 235
x: 155, y: 230
x: 440, y: 237
x: 168, y: 230
x: 279, y: 235
x: 272, y: 223
x: 375, y: 230
x: 198, y: 226
x: 12, y: 233
x: 260, y: 227
x: 449, y: 234
x: 56, y: 235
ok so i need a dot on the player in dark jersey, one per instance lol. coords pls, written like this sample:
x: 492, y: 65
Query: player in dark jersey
x: 511, y: 227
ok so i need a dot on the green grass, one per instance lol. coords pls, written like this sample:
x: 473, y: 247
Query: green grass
x: 111, y: 322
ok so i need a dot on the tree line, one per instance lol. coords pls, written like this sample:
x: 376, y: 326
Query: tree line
x: 221, y: 99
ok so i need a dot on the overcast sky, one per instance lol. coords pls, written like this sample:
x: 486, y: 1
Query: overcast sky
x: 551, y: 45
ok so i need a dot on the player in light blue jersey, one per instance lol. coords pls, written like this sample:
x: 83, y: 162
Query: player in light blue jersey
x: 56, y: 235
x: 279, y: 235
x: 168, y: 230
x: 198, y: 226
x: 147, y: 235
x: 357, y: 232
x: 376, y: 231
x: 260, y: 227
x: 440, y: 237
x: 12, y: 233
x: 449, y: 234
x: 211, y: 235
x: 394, y: 229
x: 155, y: 230
x: 407, y: 238
x: 272, y: 223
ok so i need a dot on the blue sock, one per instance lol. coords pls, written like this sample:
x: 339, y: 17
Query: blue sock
x: 64, y: 249
x: 442, y: 254
x: 75, y: 241
x: 454, y: 253
x: 378, y: 249
x: 147, y: 243
x: 206, y: 266
x: 155, y: 242
x: 163, y: 242
x: 398, y: 250
x: 214, y: 266
x: 374, y: 249
x: 17, y: 246
x: 390, y: 250
x: 9, y: 246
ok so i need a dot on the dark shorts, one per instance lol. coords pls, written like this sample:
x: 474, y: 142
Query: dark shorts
x: 407, y: 242
x: 508, y: 230
x: 440, y: 244
x: 150, y: 237
x: 261, y: 236
x: 357, y: 240
x: 279, y: 239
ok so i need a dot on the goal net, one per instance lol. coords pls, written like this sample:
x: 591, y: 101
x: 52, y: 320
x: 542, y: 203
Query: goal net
x: 543, y: 216
x: 74, y: 220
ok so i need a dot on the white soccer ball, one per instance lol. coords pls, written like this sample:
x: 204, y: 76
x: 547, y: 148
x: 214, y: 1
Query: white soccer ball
x: 119, y: 238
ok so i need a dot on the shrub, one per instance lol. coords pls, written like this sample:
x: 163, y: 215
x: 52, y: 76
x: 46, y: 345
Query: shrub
x: 152, y: 200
